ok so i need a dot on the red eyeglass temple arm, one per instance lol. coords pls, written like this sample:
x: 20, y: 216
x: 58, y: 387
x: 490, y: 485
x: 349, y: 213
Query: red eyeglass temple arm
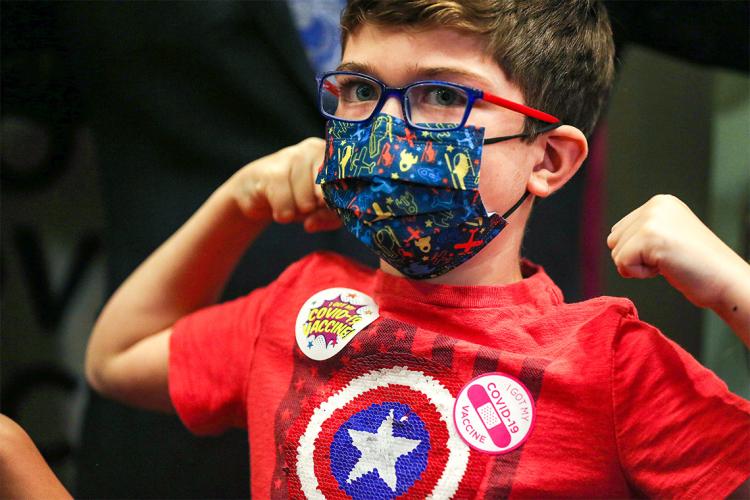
x: 333, y: 89
x: 533, y: 113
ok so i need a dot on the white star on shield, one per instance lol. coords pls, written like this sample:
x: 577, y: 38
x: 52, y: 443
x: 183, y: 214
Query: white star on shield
x: 380, y: 451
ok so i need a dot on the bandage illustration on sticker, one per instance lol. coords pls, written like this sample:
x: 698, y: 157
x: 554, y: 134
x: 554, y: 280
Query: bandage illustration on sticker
x: 494, y: 413
x: 489, y: 416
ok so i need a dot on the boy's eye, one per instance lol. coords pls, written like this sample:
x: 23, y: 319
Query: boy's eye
x: 354, y: 91
x: 365, y: 92
x: 444, y: 96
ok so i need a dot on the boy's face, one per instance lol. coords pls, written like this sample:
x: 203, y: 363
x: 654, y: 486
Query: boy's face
x: 397, y: 58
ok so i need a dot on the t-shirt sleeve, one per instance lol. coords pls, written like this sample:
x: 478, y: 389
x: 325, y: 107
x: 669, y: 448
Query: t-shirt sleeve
x: 679, y: 430
x: 210, y: 352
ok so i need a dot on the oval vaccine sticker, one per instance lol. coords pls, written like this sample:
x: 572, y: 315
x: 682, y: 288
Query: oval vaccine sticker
x: 494, y: 413
x: 330, y: 319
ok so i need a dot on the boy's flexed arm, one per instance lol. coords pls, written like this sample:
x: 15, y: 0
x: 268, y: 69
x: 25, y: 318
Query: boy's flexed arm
x: 663, y: 236
x: 127, y: 354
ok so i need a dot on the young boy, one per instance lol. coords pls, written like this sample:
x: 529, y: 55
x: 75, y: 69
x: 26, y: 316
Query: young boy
x: 456, y: 369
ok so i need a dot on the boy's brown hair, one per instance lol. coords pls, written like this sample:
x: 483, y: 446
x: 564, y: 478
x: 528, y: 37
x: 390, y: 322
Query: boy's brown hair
x: 559, y: 52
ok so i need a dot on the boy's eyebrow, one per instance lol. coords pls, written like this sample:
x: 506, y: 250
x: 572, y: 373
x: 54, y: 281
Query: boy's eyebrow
x: 428, y: 73
x: 446, y: 71
x: 357, y: 68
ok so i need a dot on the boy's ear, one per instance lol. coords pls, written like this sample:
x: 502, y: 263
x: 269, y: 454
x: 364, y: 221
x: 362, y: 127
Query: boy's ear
x: 565, y: 148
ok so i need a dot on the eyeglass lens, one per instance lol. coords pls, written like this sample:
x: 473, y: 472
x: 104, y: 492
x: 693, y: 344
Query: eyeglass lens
x: 355, y: 98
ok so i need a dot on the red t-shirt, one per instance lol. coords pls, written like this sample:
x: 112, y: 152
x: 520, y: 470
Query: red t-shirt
x: 619, y: 410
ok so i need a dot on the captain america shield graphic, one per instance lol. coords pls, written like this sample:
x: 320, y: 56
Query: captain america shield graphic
x: 379, y: 432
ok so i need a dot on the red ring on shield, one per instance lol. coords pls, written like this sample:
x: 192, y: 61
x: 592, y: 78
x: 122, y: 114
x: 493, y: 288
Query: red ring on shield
x: 437, y: 456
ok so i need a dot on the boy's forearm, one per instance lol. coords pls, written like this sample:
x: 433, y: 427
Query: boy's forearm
x: 185, y: 273
x: 734, y: 304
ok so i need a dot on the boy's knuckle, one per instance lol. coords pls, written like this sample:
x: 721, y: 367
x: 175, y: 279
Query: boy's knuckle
x: 654, y: 201
x: 648, y: 230
x: 652, y: 234
x: 296, y: 156
x: 663, y: 200
x: 279, y: 174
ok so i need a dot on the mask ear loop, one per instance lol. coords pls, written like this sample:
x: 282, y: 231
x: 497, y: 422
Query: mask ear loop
x: 514, y: 207
x: 493, y: 140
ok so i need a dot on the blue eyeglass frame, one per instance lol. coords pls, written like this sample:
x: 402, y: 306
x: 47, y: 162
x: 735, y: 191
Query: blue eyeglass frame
x: 386, y: 92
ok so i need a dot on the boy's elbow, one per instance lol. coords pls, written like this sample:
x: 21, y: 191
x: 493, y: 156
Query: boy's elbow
x: 102, y: 375
x: 96, y: 362
x: 94, y: 371
x: 136, y: 375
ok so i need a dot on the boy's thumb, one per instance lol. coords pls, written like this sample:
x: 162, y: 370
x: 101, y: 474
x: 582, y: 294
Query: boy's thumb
x: 638, y: 271
x: 322, y: 219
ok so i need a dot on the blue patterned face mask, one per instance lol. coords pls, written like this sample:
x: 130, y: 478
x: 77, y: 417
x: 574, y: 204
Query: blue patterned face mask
x: 412, y: 196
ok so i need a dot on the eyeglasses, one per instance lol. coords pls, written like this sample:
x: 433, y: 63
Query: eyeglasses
x: 427, y: 105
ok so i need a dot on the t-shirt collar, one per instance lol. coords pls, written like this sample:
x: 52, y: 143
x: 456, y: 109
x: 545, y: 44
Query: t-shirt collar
x: 536, y: 288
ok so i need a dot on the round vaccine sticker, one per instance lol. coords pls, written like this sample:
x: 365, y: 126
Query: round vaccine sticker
x: 494, y: 413
x: 330, y: 319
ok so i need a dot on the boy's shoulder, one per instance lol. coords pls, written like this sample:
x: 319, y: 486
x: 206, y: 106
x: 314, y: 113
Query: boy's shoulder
x: 541, y: 300
x: 603, y: 305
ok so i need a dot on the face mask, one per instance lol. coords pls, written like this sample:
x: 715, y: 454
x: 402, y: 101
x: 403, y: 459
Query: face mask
x: 412, y: 196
